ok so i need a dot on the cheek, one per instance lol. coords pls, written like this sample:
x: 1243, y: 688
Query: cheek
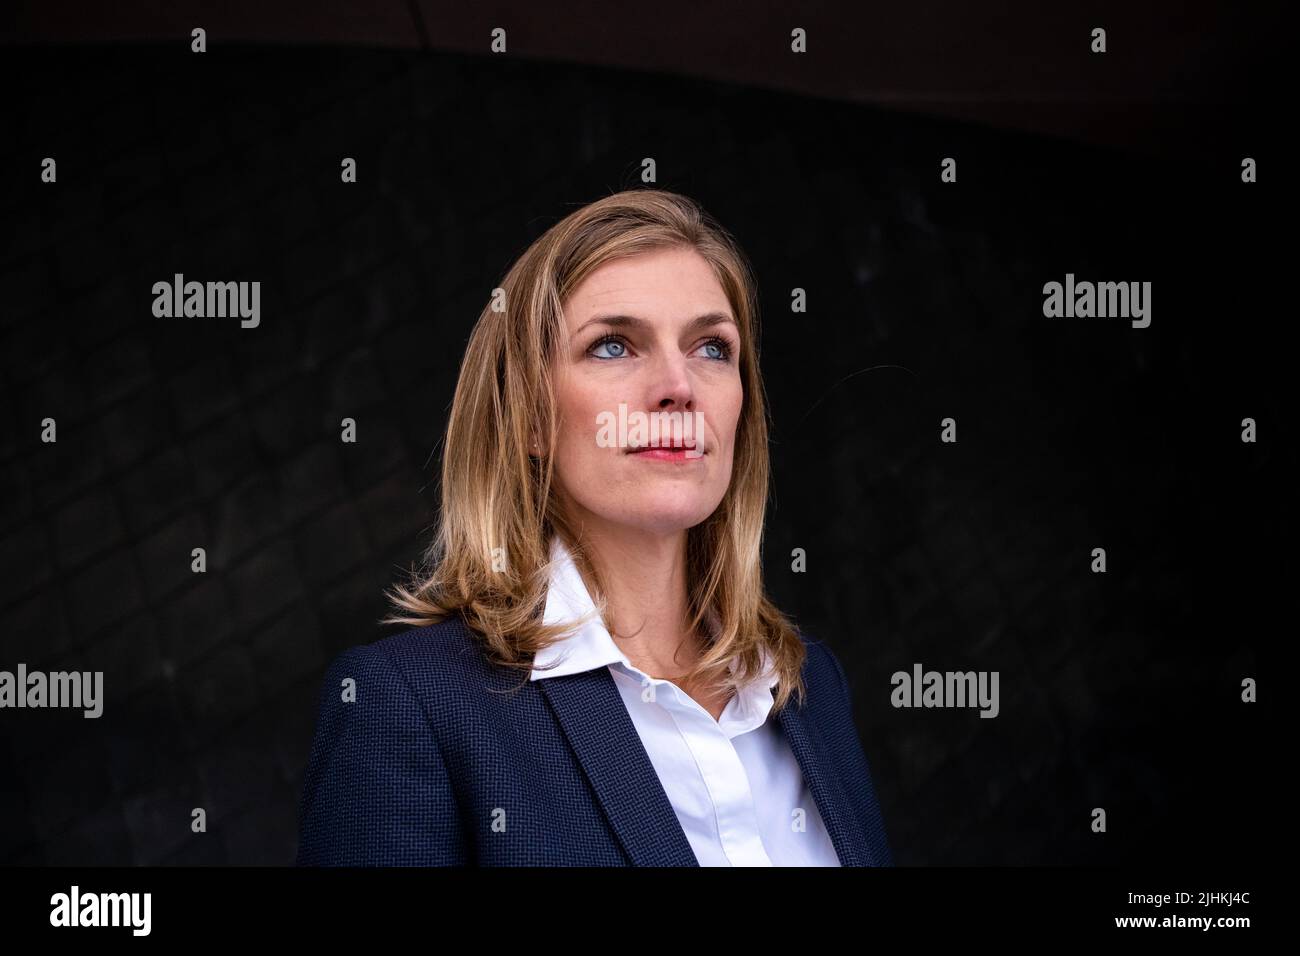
x: 729, y: 417
x: 578, y: 410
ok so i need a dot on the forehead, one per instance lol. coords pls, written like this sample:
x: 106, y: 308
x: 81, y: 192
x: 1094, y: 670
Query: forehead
x: 662, y: 285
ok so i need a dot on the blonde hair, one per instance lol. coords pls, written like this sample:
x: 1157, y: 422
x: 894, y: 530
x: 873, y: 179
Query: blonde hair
x: 489, y: 560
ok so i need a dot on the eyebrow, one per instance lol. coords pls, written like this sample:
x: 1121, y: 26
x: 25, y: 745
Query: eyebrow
x: 707, y: 320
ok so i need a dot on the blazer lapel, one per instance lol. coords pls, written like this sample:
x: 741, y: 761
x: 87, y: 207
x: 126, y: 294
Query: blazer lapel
x: 596, y: 722
x: 842, y: 824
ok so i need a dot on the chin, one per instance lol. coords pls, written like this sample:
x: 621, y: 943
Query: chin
x: 666, y: 517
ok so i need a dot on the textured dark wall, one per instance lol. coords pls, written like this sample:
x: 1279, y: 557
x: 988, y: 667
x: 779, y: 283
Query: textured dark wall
x: 1118, y: 690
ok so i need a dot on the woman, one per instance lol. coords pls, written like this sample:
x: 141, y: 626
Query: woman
x: 594, y: 675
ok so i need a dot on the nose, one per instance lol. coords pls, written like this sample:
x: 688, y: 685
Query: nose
x: 670, y: 386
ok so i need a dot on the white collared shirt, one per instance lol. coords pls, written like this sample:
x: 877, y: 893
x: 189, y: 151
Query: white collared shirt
x: 734, y: 783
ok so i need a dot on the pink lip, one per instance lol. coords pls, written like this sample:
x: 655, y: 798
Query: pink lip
x: 666, y: 454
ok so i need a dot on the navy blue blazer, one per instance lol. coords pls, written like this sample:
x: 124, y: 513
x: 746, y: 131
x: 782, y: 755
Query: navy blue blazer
x: 438, y: 745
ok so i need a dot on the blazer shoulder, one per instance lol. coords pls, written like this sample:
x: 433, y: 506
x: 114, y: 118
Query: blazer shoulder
x: 441, y: 654
x: 376, y: 789
x: 821, y: 659
x: 840, y: 728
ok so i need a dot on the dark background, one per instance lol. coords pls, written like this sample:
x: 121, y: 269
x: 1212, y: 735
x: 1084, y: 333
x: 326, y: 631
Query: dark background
x: 1119, y: 690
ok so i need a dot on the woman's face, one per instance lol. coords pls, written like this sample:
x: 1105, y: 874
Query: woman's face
x: 653, y: 333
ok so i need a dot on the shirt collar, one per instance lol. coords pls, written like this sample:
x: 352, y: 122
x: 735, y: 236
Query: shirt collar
x: 589, y: 644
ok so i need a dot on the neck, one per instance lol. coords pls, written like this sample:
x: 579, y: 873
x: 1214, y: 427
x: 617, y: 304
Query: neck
x: 644, y: 575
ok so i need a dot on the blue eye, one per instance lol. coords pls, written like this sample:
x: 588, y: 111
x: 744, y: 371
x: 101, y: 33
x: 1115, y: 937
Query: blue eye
x: 612, y: 342
x: 720, y: 349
